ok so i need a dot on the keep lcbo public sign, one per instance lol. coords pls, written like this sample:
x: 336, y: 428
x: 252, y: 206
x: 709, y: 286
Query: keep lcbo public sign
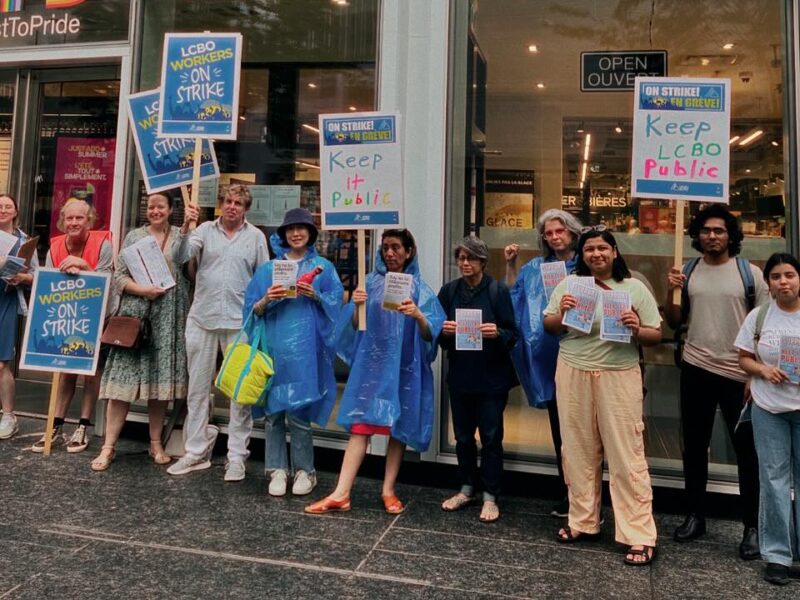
x: 617, y: 71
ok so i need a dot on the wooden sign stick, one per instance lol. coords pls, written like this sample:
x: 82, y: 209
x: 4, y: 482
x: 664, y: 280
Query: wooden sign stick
x: 362, y: 276
x: 51, y: 413
x: 198, y: 159
x: 679, y: 208
x: 185, y: 195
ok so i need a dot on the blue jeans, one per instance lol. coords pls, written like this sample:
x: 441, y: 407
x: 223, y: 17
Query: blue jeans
x: 777, y: 438
x: 302, y: 446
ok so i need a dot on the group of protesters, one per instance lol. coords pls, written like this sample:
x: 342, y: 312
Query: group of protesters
x: 736, y: 317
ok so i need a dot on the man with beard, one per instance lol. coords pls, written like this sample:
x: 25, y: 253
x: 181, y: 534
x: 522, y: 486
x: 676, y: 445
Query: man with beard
x: 718, y: 290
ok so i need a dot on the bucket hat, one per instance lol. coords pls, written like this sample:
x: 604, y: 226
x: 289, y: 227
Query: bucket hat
x: 299, y: 216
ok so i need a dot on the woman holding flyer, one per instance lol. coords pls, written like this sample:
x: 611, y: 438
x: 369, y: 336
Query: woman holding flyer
x: 535, y: 354
x: 390, y: 388
x: 11, y: 304
x: 299, y: 295
x: 155, y: 373
x: 769, y: 350
x: 599, y: 388
x: 479, y: 332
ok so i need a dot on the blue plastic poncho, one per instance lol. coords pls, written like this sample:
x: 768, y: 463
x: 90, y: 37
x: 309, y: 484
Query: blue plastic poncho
x: 535, y: 354
x: 391, y: 381
x: 300, y: 337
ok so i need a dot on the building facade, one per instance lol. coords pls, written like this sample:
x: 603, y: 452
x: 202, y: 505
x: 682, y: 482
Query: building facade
x: 498, y: 101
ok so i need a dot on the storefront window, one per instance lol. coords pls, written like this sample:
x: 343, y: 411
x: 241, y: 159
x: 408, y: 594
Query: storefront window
x: 300, y: 58
x: 523, y: 112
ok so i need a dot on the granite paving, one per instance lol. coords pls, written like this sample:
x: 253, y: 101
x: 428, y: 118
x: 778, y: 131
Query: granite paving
x: 136, y: 532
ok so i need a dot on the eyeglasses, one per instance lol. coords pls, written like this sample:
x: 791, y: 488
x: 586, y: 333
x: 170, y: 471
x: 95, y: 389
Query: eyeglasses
x: 554, y: 232
x: 465, y: 258
x: 599, y: 228
x: 718, y: 231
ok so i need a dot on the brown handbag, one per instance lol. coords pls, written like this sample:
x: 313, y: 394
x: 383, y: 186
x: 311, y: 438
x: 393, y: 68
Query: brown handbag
x: 126, y: 332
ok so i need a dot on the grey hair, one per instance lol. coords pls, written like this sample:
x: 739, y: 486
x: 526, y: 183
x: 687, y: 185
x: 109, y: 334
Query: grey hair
x: 475, y: 247
x: 569, y: 221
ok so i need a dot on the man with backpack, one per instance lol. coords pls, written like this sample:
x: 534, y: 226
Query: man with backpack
x: 717, y: 292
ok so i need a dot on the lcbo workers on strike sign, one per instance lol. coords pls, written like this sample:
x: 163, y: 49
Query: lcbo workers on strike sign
x: 361, y: 173
x: 200, y: 85
x: 681, y: 130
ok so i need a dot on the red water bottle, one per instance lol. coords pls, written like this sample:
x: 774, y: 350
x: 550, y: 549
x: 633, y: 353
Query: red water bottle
x: 309, y: 277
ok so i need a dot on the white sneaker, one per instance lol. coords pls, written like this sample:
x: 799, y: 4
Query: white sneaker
x: 79, y: 440
x: 304, y: 483
x: 234, y: 470
x: 57, y: 439
x: 8, y: 426
x: 277, y: 483
x: 189, y: 463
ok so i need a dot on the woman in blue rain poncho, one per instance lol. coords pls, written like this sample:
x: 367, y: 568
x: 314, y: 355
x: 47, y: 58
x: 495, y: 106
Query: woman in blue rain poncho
x: 534, y: 356
x: 390, y: 388
x: 299, y: 334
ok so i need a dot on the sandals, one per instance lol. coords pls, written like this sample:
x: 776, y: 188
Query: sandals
x: 104, y: 459
x: 457, y: 502
x: 326, y: 505
x: 490, y: 512
x: 157, y: 453
x: 393, y: 505
x: 648, y: 553
x: 565, y: 535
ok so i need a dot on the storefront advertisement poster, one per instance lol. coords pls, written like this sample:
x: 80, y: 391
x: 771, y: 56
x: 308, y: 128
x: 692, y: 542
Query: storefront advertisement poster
x: 84, y: 170
x: 270, y: 203
x: 361, y: 170
x: 166, y: 163
x: 65, y: 322
x: 200, y: 85
x: 681, y: 133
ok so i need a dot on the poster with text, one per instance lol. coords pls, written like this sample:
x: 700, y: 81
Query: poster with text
x: 681, y: 134
x: 166, y: 163
x: 84, y: 170
x: 361, y: 170
x: 65, y: 322
x: 200, y: 85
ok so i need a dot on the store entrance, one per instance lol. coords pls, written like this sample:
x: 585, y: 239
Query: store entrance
x: 58, y: 130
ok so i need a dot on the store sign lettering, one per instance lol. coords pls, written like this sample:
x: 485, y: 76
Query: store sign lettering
x: 571, y: 201
x: 617, y: 71
x: 21, y: 26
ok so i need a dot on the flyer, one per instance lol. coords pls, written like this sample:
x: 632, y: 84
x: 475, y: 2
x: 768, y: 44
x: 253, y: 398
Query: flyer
x: 147, y: 264
x: 615, y: 303
x: 552, y: 274
x: 396, y: 288
x: 284, y: 272
x: 7, y: 243
x: 790, y: 357
x: 468, y: 329
x: 581, y: 317
x: 10, y: 266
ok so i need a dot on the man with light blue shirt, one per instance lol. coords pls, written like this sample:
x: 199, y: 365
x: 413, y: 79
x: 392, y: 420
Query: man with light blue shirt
x: 228, y: 251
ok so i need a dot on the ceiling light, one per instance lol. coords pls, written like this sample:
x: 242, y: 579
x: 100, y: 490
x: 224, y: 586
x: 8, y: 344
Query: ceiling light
x: 533, y: 48
x: 747, y: 170
x: 306, y: 164
x: 734, y: 139
x: 352, y: 108
x: 755, y: 135
x: 583, y: 173
x: 774, y: 143
x: 586, y: 148
x: 540, y: 85
x: 580, y: 127
x: 728, y: 46
x: 341, y: 2
x: 242, y: 118
x: 705, y: 61
x: 310, y: 128
x: 618, y: 128
x: 312, y: 85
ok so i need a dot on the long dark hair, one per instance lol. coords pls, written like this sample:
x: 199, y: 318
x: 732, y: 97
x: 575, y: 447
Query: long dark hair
x: 780, y: 258
x: 717, y: 211
x: 619, y: 270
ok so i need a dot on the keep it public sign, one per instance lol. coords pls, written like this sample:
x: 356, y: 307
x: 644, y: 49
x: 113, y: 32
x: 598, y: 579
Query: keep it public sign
x: 681, y: 130
x: 361, y: 170
x: 200, y: 85
x: 65, y: 322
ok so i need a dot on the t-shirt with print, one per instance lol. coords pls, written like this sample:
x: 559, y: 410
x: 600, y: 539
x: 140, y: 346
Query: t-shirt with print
x: 587, y: 352
x: 717, y: 308
x: 774, y: 398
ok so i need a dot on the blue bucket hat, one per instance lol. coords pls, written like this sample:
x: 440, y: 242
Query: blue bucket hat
x: 299, y: 216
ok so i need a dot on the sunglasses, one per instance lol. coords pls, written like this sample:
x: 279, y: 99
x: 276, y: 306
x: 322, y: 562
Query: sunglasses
x: 599, y: 228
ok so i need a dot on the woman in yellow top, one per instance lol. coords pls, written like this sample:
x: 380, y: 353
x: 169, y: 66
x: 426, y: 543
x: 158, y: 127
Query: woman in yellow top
x: 599, y: 389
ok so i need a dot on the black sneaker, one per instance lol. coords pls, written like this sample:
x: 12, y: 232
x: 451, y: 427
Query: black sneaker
x: 777, y: 574
x: 561, y: 510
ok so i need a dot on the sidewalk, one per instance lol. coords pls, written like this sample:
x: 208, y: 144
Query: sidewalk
x: 135, y: 532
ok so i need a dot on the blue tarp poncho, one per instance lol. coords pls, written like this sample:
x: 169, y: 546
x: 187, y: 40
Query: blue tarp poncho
x: 391, y: 382
x: 300, y: 336
x: 535, y: 354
